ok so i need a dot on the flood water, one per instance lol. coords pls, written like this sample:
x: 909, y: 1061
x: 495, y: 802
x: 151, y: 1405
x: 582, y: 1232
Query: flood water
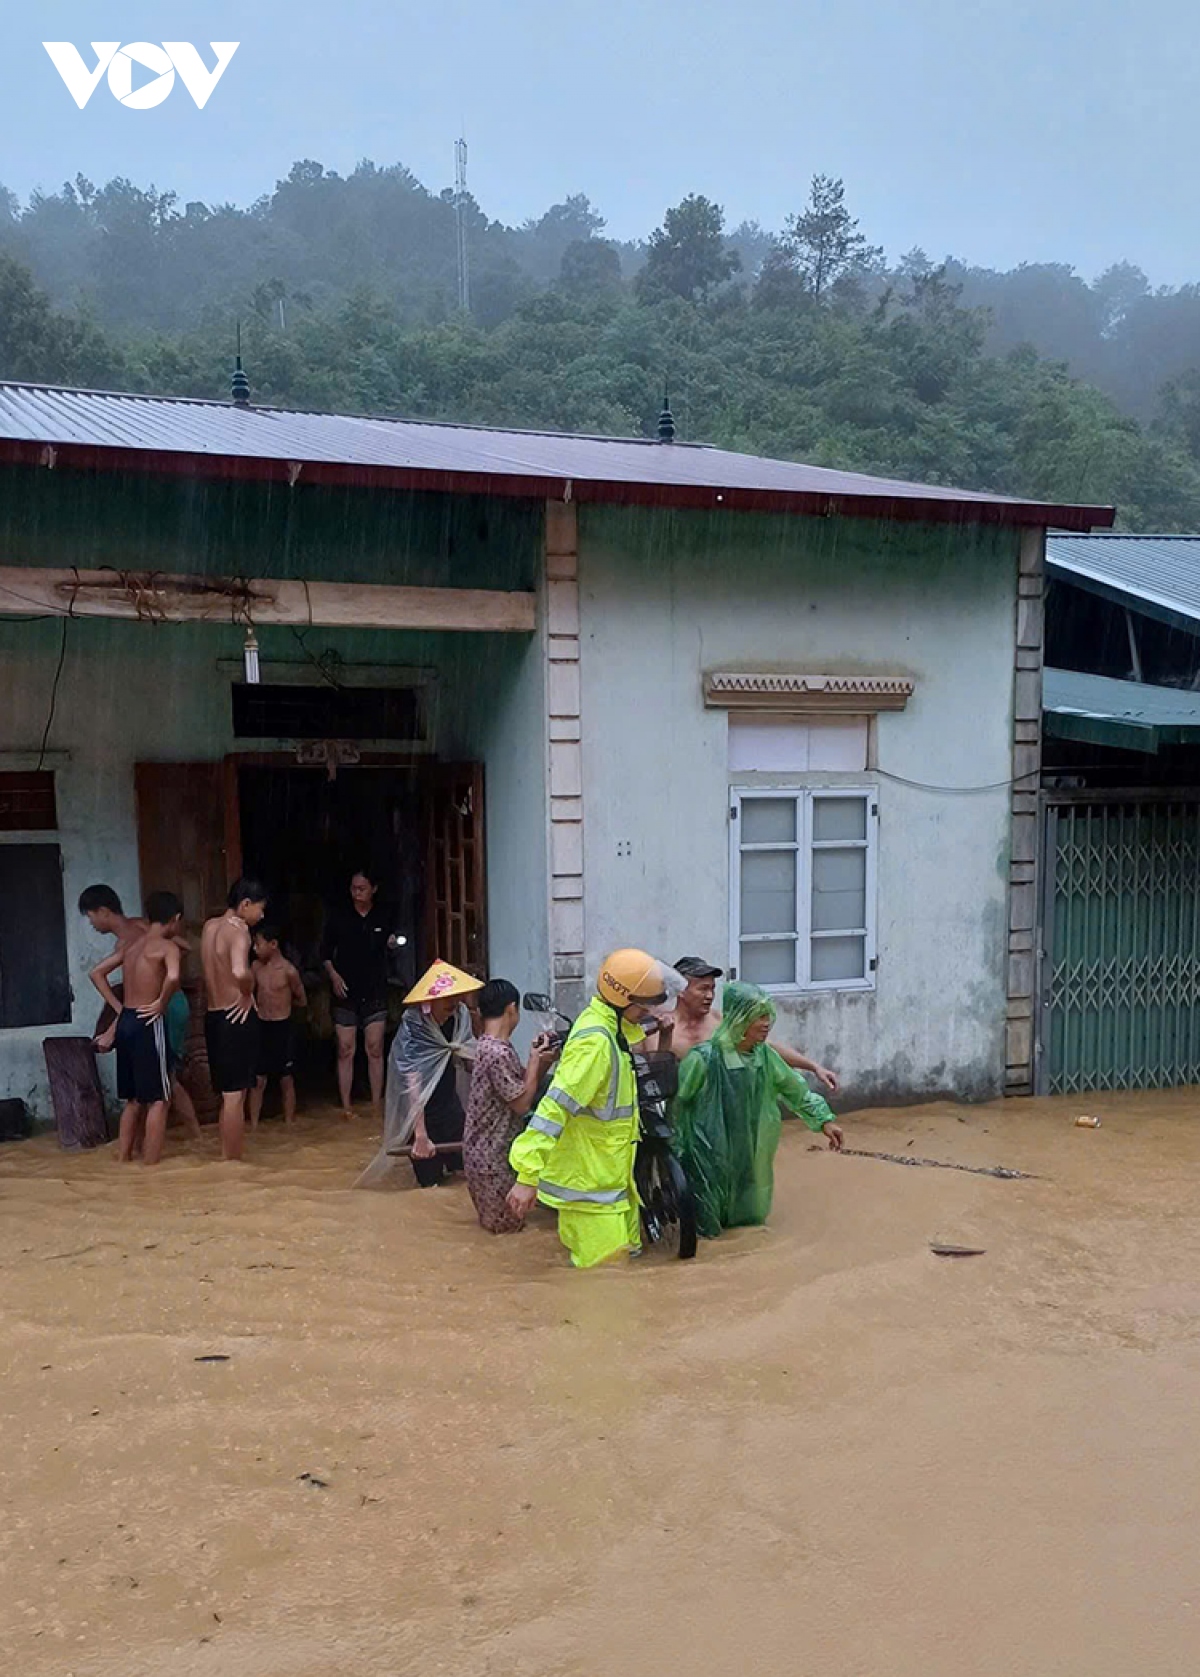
x: 817, y: 1449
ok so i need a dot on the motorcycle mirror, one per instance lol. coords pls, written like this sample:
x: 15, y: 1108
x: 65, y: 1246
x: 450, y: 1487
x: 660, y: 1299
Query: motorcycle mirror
x: 535, y: 1002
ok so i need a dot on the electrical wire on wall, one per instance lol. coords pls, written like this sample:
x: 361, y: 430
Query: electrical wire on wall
x: 62, y: 658
x: 929, y: 786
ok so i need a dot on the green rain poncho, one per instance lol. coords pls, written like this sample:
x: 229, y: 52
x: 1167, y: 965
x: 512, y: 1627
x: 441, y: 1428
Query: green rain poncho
x: 726, y: 1116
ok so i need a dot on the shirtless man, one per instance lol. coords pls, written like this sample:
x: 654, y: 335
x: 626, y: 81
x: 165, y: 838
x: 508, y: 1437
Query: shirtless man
x: 101, y: 907
x: 278, y: 988
x: 151, y: 977
x: 231, y: 1023
x: 696, y: 1018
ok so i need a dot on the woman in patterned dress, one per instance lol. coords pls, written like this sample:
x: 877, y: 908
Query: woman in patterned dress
x: 502, y: 1092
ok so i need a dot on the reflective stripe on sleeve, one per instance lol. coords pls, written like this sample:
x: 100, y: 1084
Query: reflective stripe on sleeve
x: 548, y: 1126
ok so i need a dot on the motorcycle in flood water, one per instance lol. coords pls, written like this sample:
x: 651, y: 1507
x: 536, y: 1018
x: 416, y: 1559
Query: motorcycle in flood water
x: 668, y: 1210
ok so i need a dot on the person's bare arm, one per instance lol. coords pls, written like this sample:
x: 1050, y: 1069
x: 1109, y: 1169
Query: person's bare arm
x: 422, y: 1147
x: 99, y: 977
x: 239, y: 961
x: 171, y: 966
x: 243, y: 977
x: 299, y: 994
x: 800, y: 1062
x: 541, y: 1055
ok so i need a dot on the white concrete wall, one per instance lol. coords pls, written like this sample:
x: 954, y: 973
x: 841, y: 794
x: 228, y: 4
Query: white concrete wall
x: 509, y: 739
x: 137, y: 692
x: 667, y: 596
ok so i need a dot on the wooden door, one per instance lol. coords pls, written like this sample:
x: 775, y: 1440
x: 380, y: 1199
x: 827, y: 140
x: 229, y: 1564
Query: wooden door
x: 456, y: 867
x: 189, y: 842
x: 183, y: 844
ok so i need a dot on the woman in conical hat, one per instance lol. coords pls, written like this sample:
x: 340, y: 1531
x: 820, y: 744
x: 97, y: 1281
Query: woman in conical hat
x: 430, y: 1057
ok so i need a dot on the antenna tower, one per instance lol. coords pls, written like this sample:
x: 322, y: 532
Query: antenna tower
x: 460, y: 217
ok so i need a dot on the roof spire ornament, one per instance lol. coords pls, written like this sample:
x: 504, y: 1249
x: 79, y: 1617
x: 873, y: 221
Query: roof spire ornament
x: 239, y: 387
x: 666, y: 419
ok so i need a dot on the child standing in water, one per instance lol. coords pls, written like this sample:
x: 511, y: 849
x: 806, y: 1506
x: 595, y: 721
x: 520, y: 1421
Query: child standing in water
x: 278, y: 988
x: 151, y: 973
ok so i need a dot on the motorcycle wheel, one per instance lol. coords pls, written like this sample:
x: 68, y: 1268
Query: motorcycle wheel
x: 668, y: 1210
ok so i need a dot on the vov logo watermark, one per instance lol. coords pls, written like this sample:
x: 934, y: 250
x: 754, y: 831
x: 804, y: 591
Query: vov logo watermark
x: 164, y: 63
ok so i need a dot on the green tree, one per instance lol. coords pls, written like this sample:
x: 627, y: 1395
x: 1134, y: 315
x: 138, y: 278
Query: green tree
x: 590, y: 268
x: 39, y: 343
x: 824, y: 241
x: 687, y: 256
x: 1179, y: 411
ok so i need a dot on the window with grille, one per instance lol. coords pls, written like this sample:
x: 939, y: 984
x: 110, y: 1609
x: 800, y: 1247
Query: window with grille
x: 275, y: 711
x: 802, y: 891
x: 27, y: 802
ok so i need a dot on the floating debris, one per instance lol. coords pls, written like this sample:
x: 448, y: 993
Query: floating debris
x: 212, y: 1357
x: 1002, y: 1171
x: 941, y: 1249
x: 1087, y: 1121
x: 311, y: 1479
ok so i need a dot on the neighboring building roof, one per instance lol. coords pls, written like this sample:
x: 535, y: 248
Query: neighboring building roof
x: 100, y: 430
x: 1156, y: 575
x: 1127, y: 714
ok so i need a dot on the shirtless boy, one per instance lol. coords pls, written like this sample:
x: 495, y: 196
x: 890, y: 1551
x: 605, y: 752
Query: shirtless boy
x: 278, y: 988
x: 231, y: 1023
x: 151, y: 977
x: 696, y: 1018
x: 101, y: 907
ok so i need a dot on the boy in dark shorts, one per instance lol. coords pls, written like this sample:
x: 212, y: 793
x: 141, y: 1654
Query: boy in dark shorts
x: 231, y: 1023
x: 151, y: 977
x: 101, y: 907
x: 277, y: 989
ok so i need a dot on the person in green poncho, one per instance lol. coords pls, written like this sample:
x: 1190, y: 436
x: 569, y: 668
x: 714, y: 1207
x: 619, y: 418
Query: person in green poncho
x: 726, y: 1116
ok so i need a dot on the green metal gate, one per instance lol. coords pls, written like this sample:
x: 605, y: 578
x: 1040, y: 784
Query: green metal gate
x: 1120, y: 968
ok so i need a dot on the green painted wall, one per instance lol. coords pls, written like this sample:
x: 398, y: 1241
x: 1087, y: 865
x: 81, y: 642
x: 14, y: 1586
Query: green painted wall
x: 133, y: 692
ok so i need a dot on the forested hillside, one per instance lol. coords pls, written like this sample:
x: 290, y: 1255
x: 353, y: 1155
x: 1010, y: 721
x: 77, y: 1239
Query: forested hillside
x: 804, y: 342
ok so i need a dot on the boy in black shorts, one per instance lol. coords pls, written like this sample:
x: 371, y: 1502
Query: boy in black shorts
x: 231, y: 1023
x: 278, y: 988
x: 151, y: 973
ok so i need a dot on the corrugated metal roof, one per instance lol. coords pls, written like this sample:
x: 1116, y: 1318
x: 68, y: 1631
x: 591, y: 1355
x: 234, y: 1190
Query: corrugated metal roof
x: 1158, y: 575
x: 1130, y: 714
x: 106, y: 429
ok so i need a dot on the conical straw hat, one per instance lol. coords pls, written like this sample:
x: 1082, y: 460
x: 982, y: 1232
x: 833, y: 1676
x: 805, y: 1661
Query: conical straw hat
x: 442, y: 980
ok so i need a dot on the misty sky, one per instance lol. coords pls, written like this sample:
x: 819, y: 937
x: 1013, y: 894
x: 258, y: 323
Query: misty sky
x: 996, y: 130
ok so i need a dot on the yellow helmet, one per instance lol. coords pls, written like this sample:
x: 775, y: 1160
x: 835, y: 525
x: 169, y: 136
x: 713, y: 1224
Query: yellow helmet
x: 630, y: 977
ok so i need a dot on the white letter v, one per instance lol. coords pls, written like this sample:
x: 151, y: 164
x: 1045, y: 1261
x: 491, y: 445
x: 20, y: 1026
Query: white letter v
x: 199, y: 81
x: 81, y: 83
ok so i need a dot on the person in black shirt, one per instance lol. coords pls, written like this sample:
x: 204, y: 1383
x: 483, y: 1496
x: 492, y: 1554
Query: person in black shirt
x: 355, y: 951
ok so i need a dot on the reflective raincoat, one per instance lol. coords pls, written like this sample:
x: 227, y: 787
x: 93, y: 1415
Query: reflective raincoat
x: 726, y: 1117
x: 578, y: 1147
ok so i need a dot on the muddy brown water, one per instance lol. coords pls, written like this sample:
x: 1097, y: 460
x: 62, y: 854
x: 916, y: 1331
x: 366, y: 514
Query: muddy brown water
x: 817, y: 1449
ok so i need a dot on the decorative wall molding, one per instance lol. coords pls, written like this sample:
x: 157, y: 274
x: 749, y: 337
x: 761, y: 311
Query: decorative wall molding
x: 797, y: 694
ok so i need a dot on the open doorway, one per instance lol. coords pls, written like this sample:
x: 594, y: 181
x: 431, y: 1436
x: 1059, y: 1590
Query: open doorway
x: 420, y: 826
x: 304, y: 833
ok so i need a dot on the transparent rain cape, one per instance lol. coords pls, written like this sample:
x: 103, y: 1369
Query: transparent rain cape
x: 420, y: 1054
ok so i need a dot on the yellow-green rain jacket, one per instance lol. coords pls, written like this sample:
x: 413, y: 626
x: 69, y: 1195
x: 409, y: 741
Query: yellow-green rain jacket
x: 578, y: 1147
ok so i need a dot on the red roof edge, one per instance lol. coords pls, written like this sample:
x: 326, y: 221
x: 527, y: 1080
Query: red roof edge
x: 910, y: 508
